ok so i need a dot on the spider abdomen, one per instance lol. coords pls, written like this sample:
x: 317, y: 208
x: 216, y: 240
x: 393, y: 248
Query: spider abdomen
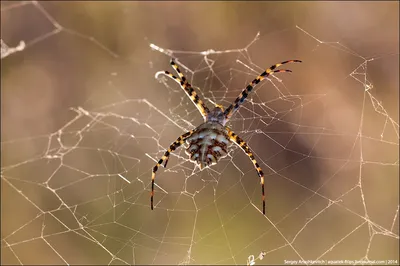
x: 208, y: 144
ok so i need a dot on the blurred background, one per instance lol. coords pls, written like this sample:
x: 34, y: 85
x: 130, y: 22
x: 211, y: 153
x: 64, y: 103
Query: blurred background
x: 84, y: 120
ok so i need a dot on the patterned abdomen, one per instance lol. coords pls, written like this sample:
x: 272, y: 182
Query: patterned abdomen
x: 207, y: 144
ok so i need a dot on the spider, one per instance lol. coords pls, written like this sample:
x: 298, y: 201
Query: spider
x: 209, y: 142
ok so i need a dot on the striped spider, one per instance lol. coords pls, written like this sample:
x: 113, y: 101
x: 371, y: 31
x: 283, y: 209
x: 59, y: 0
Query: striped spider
x: 209, y: 142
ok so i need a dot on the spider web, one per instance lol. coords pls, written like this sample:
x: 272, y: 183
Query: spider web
x: 84, y: 120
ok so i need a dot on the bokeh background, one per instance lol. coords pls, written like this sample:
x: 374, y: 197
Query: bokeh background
x: 81, y: 111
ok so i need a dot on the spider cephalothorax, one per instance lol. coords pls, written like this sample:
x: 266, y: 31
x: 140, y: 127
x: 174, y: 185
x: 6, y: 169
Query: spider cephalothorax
x: 209, y: 142
x: 217, y: 115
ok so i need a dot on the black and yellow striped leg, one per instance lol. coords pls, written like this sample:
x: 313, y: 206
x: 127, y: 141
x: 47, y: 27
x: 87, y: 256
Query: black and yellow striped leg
x: 165, y: 158
x: 243, y: 145
x: 181, y: 76
x: 188, y: 89
x: 243, y: 95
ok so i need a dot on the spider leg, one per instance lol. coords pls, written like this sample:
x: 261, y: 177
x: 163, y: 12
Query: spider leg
x: 243, y: 95
x: 243, y: 145
x: 185, y: 85
x: 165, y: 158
